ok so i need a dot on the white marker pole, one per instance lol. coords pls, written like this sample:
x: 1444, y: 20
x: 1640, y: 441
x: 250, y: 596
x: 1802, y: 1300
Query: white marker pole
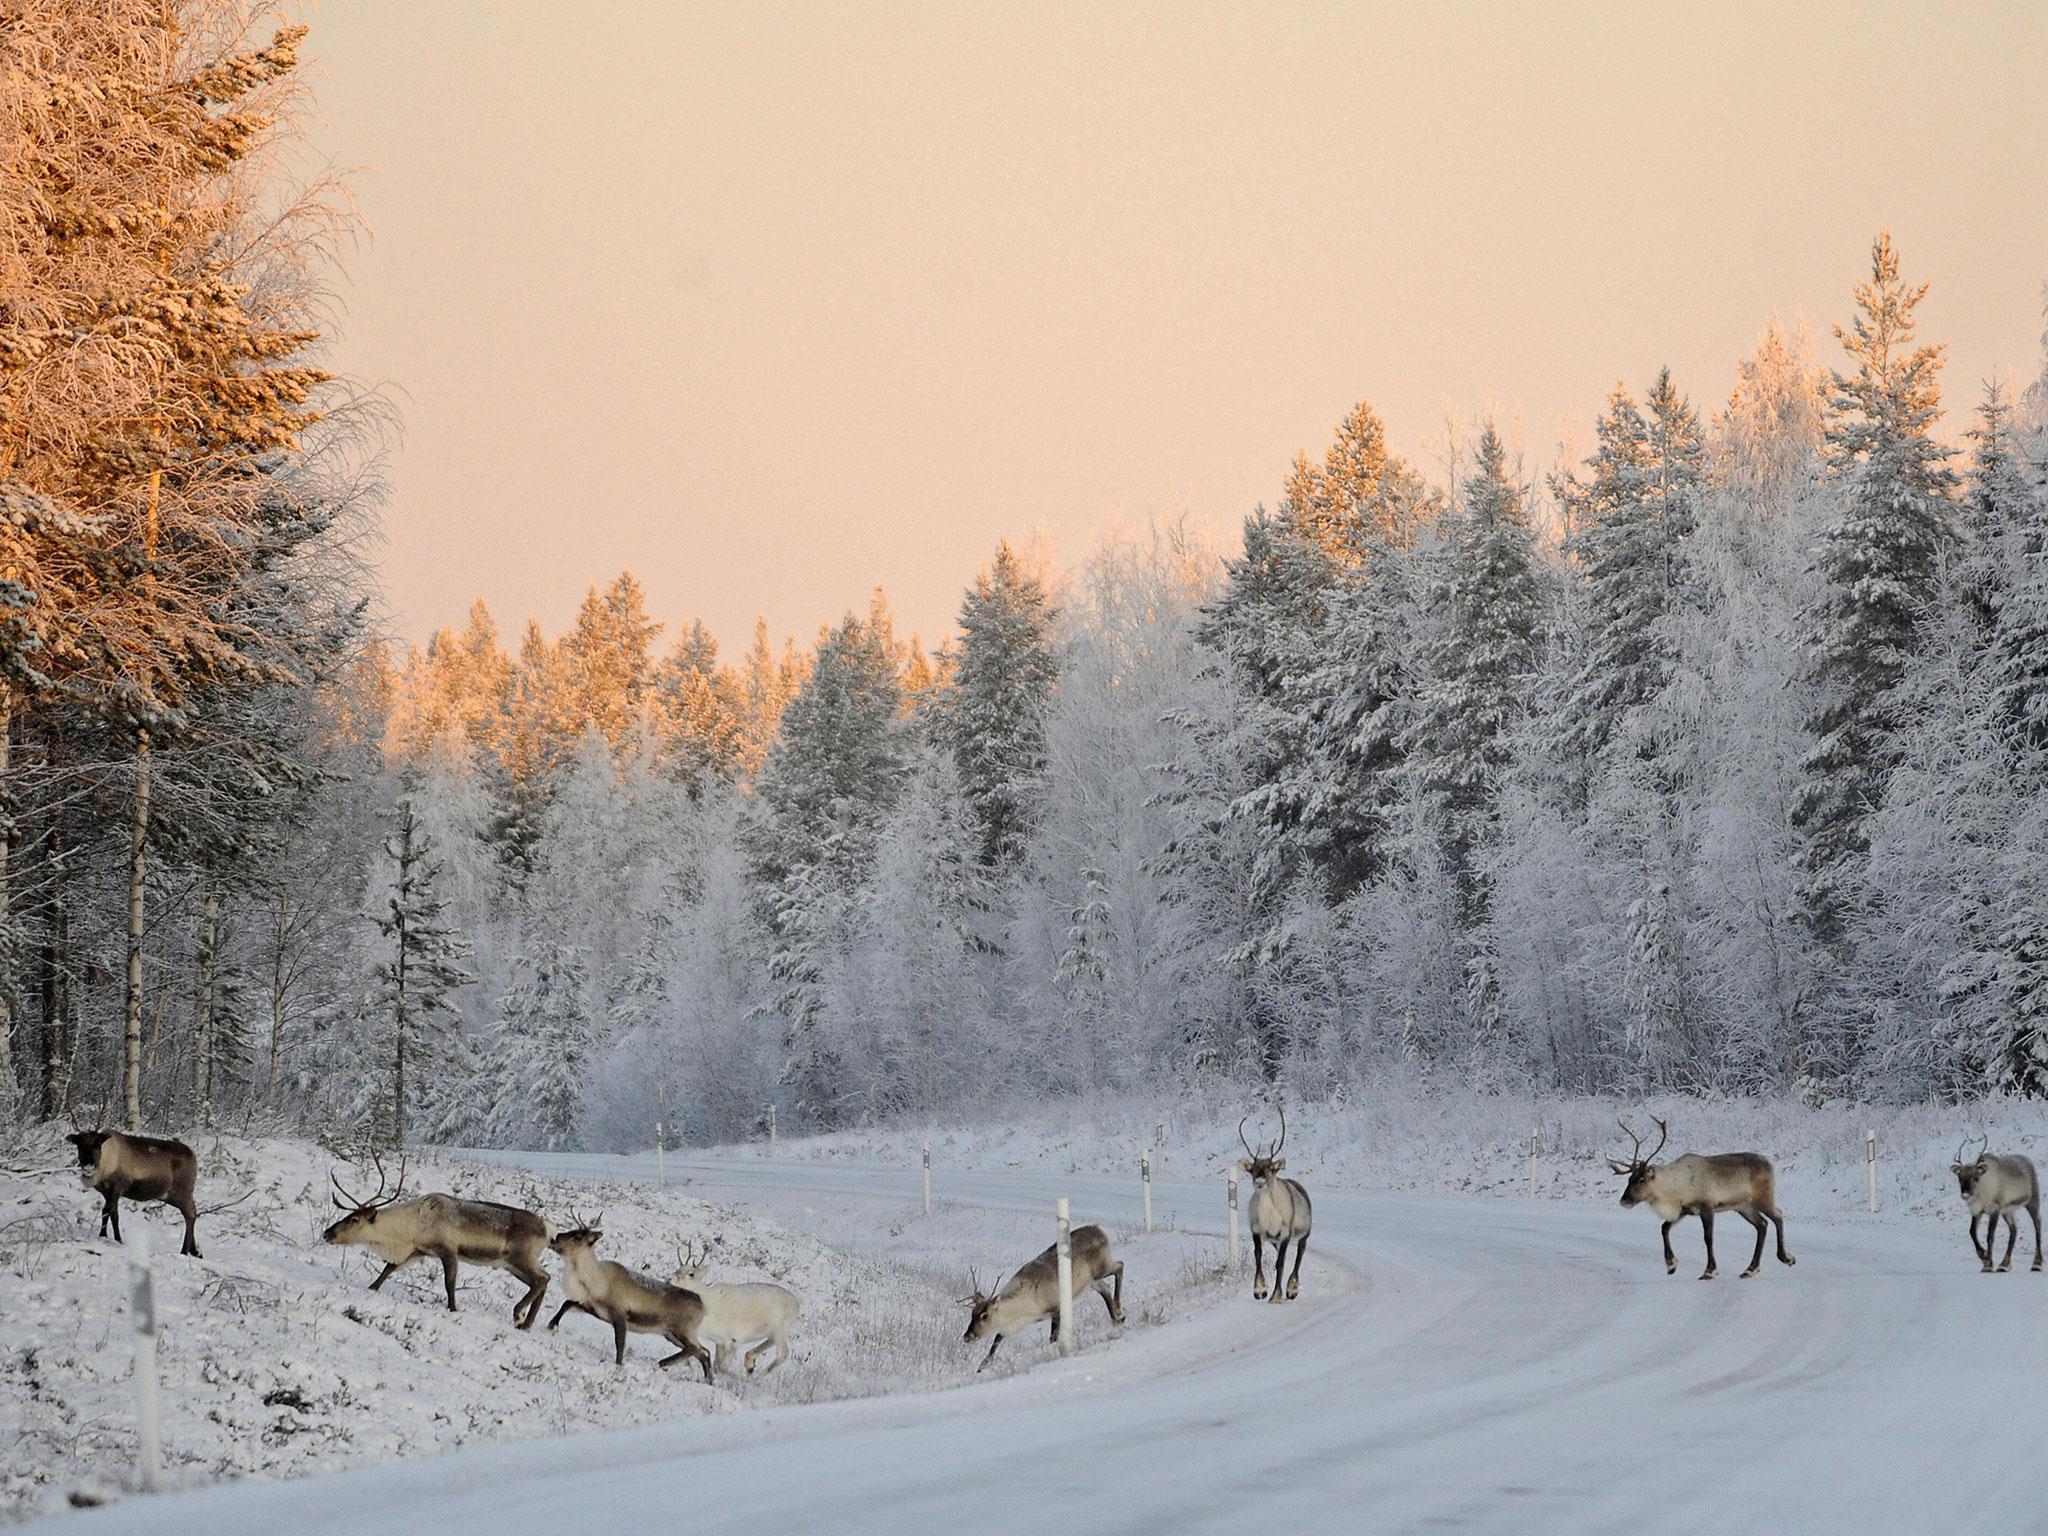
x: 1145, y: 1178
x: 1870, y: 1162
x: 1159, y: 1145
x: 927, y: 1178
x: 1532, y: 1165
x: 1232, y: 1183
x: 142, y: 1312
x: 1065, y: 1248
x: 660, y: 1137
x: 771, y: 1130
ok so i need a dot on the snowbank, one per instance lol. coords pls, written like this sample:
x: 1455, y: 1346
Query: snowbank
x: 278, y: 1361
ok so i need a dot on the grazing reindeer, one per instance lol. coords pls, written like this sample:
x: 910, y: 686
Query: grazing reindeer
x: 755, y: 1313
x: 121, y: 1166
x: 446, y: 1228
x: 1996, y: 1186
x: 626, y: 1299
x: 1033, y: 1293
x: 1692, y: 1185
x: 1280, y: 1214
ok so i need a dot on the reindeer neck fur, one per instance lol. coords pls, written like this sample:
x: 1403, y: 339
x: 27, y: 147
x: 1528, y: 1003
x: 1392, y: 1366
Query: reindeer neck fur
x: 1275, y: 1203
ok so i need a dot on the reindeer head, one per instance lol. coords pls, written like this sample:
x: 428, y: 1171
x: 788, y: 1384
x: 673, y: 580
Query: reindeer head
x: 1263, y: 1165
x: 359, y: 1218
x: 581, y: 1238
x: 88, y: 1144
x: 690, y: 1267
x: 980, y: 1308
x: 1641, y: 1176
x: 1968, y: 1169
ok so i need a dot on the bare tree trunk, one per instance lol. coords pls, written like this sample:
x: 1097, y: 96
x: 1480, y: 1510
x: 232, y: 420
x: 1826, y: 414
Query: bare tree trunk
x: 57, y: 983
x: 277, y: 990
x: 138, y: 867
x: 202, y: 1005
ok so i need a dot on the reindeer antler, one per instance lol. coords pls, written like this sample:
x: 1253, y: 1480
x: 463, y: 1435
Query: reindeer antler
x: 1664, y: 1136
x: 1283, y: 1132
x: 973, y: 1285
x: 1636, y: 1152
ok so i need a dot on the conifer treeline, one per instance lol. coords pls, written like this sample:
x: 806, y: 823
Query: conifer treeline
x: 1717, y: 761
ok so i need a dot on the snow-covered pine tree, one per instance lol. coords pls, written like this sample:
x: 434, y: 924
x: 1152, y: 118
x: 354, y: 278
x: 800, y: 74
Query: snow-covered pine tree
x: 1879, y: 558
x: 541, y: 1050
x: 1003, y: 687
x: 1489, y: 598
x: 835, y: 771
x: 422, y: 960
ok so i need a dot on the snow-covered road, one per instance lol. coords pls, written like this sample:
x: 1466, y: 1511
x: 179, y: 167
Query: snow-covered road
x: 1486, y: 1365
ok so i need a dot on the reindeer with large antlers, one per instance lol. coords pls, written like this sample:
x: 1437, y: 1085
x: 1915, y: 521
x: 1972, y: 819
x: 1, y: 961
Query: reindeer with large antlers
x: 120, y: 1165
x: 444, y: 1227
x: 1693, y: 1185
x: 1280, y: 1214
x: 1995, y: 1186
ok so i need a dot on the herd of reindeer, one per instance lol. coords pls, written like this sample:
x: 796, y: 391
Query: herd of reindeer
x: 710, y: 1323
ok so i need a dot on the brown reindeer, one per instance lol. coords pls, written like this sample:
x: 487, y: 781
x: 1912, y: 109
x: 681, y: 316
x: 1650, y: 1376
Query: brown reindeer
x: 1692, y: 1185
x: 120, y: 1165
x: 444, y: 1227
x: 629, y: 1301
x: 1033, y: 1294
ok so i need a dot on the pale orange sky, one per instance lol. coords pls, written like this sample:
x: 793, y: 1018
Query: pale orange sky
x: 772, y: 304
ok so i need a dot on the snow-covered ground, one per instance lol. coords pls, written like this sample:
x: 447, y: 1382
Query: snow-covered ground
x: 278, y: 1361
x: 1461, y: 1356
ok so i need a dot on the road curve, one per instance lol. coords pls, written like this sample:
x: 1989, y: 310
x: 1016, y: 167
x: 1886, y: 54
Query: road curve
x: 1487, y: 1365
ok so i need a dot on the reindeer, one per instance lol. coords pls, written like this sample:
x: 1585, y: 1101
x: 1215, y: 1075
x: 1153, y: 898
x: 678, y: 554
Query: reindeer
x: 1692, y: 1185
x: 440, y: 1226
x: 121, y: 1165
x: 1033, y: 1293
x: 1280, y: 1214
x: 1995, y: 1186
x: 626, y: 1299
x: 755, y: 1313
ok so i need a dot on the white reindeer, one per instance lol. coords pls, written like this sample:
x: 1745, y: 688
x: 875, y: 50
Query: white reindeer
x: 754, y: 1314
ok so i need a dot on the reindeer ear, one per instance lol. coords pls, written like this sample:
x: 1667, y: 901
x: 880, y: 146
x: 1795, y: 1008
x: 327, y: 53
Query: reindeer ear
x: 1244, y: 1164
x: 1618, y: 1167
x: 1279, y: 1163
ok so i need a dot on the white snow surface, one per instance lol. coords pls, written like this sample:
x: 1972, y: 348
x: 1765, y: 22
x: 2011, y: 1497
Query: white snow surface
x: 1480, y: 1361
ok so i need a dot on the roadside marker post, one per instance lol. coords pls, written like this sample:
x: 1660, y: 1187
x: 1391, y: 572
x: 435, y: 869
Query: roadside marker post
x: 1870, y: 1163
x: 1145, y: 1178
x: 1064, y: 1245
x: 771, y: 1130
x: 660, y: 1137
x: 927, y: 1178
x: 1232, y: 1185
x: 1532, y: 1164
x: 142, y: 1313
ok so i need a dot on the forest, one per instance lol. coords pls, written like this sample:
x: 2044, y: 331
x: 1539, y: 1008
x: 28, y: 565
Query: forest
x: 1711, y: 758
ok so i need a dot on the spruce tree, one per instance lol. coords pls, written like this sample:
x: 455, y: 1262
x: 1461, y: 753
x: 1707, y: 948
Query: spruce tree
x: 422, y: 965
x: 1879, y: 559
x: 542, y: 1050
x: 1489, y: 602
x: 1002, y: 690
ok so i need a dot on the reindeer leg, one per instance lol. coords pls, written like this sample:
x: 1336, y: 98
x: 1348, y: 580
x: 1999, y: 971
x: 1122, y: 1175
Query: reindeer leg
x: 1706, y: 1214
x: 191, y: 1214
x: 556, y: 1321
x: 1279, y: 1269
x: 2012, y: 1237
x: 1055, y: 1326
x: 988, y: 1357
x: 528, y: 1308
x: 1756, y: 1260
x: 1101, y: 1289
x: 618, y: 1341
x: 1294, y: 1280
x: 111, y: 1214
x: 1670, y: 1258
x: 389, y: 1270
x: 1116, y: 1310
x: 1258, y: 1268
x: 1975, y: 1246
x: 448, y: 1267
x: 2034, y: 1210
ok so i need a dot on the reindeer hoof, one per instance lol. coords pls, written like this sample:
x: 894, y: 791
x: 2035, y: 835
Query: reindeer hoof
x: 1748, y: 1272
x: 1708, y: 1274
x: 2005, y: 1268
x: 1990, y: 1270
x: 1670, y: 1269
x: 1259, y: 1294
